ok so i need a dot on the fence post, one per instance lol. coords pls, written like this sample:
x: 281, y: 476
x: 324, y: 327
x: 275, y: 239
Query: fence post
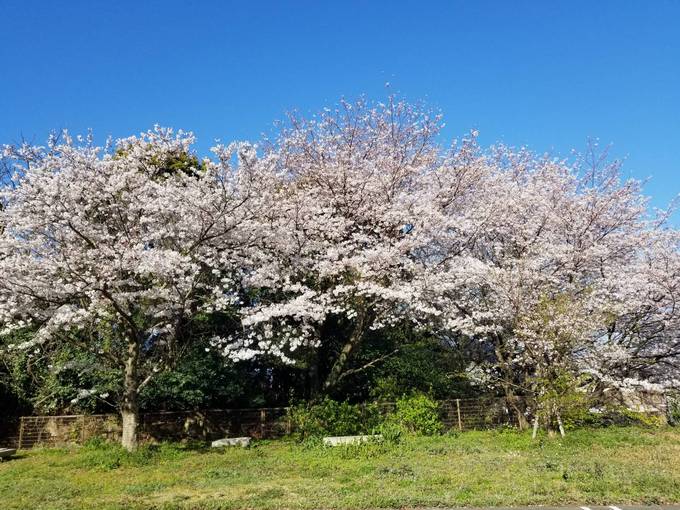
x: 289, y: 423
x: 21, y: 432
x: 460, y: 423
x: 263, y: 423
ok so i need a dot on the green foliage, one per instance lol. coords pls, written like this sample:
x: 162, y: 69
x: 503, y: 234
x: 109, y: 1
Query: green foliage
x: 15, y: 375
x: 64, y: 379
x: 330, y: 417
x: 201, y: 380
x: 70, y: 379
x: 76, y: 381
x: 390, y: 431
x: 421, y: 365
x: 613, y: 416
x: 644, y: 419
x: 417, y: 414
x: 561, y: 395
x: 183, y: 162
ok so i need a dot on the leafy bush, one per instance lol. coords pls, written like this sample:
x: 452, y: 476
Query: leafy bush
x: 330, y: 417
x: 558, y: 396
x: 643, y: 419
x: 613, y: 416
x: 390, y: 431
x: 424, y: 366
x: 418, y: 414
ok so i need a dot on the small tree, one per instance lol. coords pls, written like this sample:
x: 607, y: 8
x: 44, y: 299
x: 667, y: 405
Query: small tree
x: 552, y: 337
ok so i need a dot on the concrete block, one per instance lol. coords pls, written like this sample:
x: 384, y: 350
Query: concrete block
x: 342, y: 440
x: 231, y: 441
x: 6, y: 453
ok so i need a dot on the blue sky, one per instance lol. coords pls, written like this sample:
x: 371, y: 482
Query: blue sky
x: 548, y: 75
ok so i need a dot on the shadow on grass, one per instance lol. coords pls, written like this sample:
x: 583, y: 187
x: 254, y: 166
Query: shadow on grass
x: 15, y: 456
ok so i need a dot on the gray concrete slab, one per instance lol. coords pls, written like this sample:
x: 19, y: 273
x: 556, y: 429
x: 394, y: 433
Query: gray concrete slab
x: 231, y: 441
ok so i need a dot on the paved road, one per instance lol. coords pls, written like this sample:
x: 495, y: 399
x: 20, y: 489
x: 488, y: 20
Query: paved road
x: 585, y: 507
x: 625, y: 507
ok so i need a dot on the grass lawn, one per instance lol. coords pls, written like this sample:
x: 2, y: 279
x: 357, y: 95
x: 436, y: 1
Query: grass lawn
x: 600, y: 466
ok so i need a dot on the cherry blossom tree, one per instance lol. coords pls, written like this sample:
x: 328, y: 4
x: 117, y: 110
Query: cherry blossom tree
x: 342, y: 252
x: 121, y: 248
x: 640, y: 343
x: 534, y: 229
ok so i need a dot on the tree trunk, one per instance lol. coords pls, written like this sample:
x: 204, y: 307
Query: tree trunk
x: 348, y: 349
x: 535, y: 431
x: 560, y: 425
x: 313, y: 384
x: 510, y: 397
x: 130, y: 407
x: 513, y: 401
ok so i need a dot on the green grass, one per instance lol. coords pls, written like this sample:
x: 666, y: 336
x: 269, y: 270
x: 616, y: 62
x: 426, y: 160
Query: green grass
x: 599, y: 466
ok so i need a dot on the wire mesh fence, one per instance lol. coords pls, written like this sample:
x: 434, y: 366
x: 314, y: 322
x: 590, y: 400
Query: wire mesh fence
x: 471, y: 414
x: 261, y: 423
x: 207, y: 425
x: 158, y: 426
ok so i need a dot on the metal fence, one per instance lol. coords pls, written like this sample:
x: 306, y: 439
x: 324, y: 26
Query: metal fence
x: 262, y: 423
x: 469, y: 414
x: 159, y: 426
x: 272, y: 422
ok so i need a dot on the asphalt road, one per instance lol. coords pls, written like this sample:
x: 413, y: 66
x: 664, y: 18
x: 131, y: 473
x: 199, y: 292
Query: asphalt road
x: 584, y: 507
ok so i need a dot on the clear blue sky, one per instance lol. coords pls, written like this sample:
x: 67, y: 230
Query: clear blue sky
x: 543, y: 74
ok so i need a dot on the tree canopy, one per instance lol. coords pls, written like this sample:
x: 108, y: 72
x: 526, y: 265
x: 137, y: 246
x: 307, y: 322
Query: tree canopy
x: 335, y: 249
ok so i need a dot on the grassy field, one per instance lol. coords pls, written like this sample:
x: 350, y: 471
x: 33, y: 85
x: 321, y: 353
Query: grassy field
x: 602, y: 466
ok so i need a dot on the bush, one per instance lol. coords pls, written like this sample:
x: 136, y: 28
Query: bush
x: 643, y: 419
x: 618, y: 416
x: 425, y: 366
x: 330, y: 417
x: 418, y: 414
x: 390, y: 431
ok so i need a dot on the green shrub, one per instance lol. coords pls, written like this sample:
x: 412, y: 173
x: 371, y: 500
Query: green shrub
x: 417, y: 414
x: 329, y: 417
x: 390, y: 431
x: 424, y: 366
x: 643, y: 419
x: 617, y: 415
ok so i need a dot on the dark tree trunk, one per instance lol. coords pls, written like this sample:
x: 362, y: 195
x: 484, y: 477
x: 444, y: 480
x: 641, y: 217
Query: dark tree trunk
x: 514, y: 402
x: 517, y: 407
x: 313, y: 382
x: 352, y: 344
